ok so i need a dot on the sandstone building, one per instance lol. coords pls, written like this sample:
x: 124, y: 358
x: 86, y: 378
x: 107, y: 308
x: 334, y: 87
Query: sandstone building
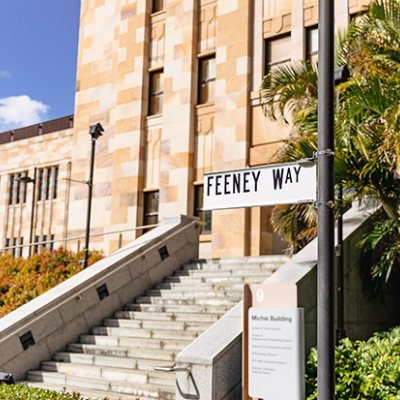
x: 175, y: 85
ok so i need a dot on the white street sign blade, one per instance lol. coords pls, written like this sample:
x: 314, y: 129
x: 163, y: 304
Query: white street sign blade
x: 263, y: 186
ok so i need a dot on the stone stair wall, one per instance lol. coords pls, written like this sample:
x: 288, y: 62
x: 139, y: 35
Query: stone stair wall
x: 45, y: 325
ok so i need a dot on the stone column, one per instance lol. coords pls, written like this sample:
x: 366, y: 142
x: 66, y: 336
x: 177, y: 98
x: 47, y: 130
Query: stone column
x: 231, y: 136
x: 176, y: 163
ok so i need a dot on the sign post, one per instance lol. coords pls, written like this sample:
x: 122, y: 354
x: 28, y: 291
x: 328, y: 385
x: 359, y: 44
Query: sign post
x: 326, y: 254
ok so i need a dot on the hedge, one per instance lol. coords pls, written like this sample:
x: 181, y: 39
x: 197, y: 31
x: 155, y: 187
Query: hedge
x: 22, y: 279
x: 365, y: 370
x: 24, y: 392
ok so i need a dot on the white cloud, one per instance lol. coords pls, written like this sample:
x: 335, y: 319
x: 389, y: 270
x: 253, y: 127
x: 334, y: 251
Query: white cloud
x: 19, y: 111
x: 4, y: 74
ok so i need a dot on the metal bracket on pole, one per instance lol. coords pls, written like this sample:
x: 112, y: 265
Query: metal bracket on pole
x: 325, y: 152
x: 329, y: 204
x: 316, y: 154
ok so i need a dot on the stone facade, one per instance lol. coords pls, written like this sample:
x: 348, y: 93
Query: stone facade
x: 210, y: 56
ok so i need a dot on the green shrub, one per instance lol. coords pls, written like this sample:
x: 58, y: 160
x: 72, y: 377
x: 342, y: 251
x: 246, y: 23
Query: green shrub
x: 364, y: 370
x: 24, y: 392
x: 22, y: 279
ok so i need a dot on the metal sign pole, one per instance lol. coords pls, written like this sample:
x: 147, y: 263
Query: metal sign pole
x: 326, y: 255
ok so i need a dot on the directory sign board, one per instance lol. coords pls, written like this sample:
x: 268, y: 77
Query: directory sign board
x: 276, y: 353
x: 264, y: 186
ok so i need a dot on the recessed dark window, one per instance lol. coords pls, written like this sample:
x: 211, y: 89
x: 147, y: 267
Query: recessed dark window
x: 151, y: 200
x: 47, y: 183
x: 15, y: 246
x: 17, y: 189
x: 157, y: 5
x: 207, y: 75
x: 205, y: 216
x: 156, y: 93
x: 277, y: 52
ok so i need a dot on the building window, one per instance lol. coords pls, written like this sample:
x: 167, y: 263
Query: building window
x: 205, y: 216
x: 20, y: 248
x: 277, y: 52
x: 17, y: 189
x: 36, y: 247
x: 151, y: 200
x: 156, y: 93
x: 157, y: 5
x: 51, y: 244
x: 15, y: 246
x: 47, y: 184
x: 43, y: 242
x: 312, y: 44
x: 207, y: 75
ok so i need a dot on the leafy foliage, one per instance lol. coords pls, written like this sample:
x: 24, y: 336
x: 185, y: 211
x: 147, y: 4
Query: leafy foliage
x: 21, y: 279
x: 24, y: 392
x: 367, y: 129
x: 367, y: 370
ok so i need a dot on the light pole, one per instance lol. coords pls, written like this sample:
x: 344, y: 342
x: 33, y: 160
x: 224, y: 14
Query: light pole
x: 25, y: 180
x: 95, y: 131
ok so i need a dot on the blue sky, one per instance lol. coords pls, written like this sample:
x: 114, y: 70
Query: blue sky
x: 38, y: 47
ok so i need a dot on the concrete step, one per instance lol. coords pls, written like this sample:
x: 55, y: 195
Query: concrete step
x: 167, y: 316
x: 119, y: 374
x: 186, y: 301
x: 107, y: 386
x: 216, y: 266
x: 215, y: 293
x: 145, y: 333
x: 169, y: 325
x: 191, y: 280
x: 131, y: 363
x: 223, y: 273
x: 155, y: 343
x: 123, y: 351
x: 242, y: 261
x: 182, y: 286
x: 177, y: 308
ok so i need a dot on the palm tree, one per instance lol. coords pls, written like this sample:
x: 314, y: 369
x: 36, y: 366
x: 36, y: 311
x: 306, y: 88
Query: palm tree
x: 367, y: 154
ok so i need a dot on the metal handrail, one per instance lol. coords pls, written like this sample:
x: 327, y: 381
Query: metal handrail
x: 76, y: 238
x: 172, y: 368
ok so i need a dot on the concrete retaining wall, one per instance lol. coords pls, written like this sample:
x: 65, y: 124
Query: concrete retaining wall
x: 60, y: 315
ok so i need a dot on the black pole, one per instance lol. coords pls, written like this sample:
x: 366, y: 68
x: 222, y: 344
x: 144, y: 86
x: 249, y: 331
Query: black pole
x: 95, y: 131
x: 340, y: 331
x: 325, y: 303
x: 32, y: 212
x: 89, y: 209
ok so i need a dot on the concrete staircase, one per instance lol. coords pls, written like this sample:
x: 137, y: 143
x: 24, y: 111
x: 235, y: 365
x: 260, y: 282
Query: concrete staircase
x: 117, y: 359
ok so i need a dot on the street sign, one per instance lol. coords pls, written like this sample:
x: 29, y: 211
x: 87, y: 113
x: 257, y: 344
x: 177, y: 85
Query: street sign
x: 262, y: 186
x: 276, y: 353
